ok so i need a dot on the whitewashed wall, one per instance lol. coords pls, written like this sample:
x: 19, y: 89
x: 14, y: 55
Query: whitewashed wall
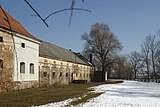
x: 29, y: 54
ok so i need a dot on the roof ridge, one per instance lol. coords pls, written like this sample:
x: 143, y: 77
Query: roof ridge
x: 58, y: 46
x: 9, y: 23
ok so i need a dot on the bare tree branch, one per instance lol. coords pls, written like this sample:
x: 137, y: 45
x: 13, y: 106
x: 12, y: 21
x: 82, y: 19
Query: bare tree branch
x: 36, y: 13
x: 62, y: 10
x: 72, y: 5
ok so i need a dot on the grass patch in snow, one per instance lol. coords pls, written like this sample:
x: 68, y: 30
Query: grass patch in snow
x: 85, y: 98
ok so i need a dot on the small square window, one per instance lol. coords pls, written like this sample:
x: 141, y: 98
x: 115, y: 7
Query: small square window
x: 1, y: 39
x: 23, y: 45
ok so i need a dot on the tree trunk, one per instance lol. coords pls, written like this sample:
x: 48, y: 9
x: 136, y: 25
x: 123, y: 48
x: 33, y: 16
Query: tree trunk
x: 148, y: 73
x: 103, y: 73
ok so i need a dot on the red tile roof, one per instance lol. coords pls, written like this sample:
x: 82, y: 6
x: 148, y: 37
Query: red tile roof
x: 9, y: 23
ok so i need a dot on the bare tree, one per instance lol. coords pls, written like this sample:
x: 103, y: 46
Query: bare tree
x: 150, y: 52
x: 154, y: 52
x: 103, y: 44
x: 122, y: 69
x: 145, y: 56
x: 146, y: 63
x: 135, y: 61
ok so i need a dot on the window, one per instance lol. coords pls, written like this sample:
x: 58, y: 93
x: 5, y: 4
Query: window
x: 23, y: 45
x: 53, y: 75
x: 22, y: 67
x: 76, y: 74
x: 66, y: 74
x: 80, y: 74
x: 1, y: 64
x: 1, y: 39
x: 87, y: 75
x: 32, y: 68
x: 44, y: 74
x: 60, y: 75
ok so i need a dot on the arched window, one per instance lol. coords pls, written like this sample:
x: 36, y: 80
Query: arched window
x: 60, y: 75
x: 22, y: 67
x: 1, y: 64
x: 80, y: 75
x: 67, y: 74
x: 44, y: 74
x: 31, y: 68
x: 53, y: 74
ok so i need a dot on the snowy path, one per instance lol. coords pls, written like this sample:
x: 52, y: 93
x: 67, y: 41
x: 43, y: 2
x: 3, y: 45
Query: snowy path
x: 127, y: 94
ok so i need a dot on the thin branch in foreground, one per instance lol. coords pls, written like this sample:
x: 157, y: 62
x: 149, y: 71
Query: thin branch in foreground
x: 36, y: 13
x: 72, y: 6
x: 59, y: 11
x: 62, y: 10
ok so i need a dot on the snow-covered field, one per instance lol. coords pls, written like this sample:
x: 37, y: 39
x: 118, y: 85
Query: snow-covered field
x: 127, y: 94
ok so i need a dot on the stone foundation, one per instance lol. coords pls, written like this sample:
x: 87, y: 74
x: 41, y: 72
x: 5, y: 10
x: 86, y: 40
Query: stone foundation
x: 25, y: 84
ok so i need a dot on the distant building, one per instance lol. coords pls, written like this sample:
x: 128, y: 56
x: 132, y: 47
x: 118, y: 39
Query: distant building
x: 26, y: 62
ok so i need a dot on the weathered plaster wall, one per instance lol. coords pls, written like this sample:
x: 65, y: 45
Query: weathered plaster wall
x: 10, y: 76
x: 6, y: 56
x: 62, y: 72
x: 18, y: 85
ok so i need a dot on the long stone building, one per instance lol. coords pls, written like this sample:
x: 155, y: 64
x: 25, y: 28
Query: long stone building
x: 62, y: 66
x: 26, y: 61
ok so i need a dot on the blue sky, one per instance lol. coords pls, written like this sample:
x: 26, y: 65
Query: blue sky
x: 129, y: 20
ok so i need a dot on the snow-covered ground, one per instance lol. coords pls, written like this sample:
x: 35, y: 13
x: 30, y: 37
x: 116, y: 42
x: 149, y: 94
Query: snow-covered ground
x: 127, y: 94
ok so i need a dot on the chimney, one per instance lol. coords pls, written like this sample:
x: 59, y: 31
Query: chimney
x: 90, y: 58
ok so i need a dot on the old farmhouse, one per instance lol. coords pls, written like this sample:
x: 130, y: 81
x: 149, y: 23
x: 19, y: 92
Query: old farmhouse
x: 62, y: 66
x: 26, y: 61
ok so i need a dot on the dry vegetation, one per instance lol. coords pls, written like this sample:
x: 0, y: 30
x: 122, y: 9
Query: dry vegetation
x: 44, y: 95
